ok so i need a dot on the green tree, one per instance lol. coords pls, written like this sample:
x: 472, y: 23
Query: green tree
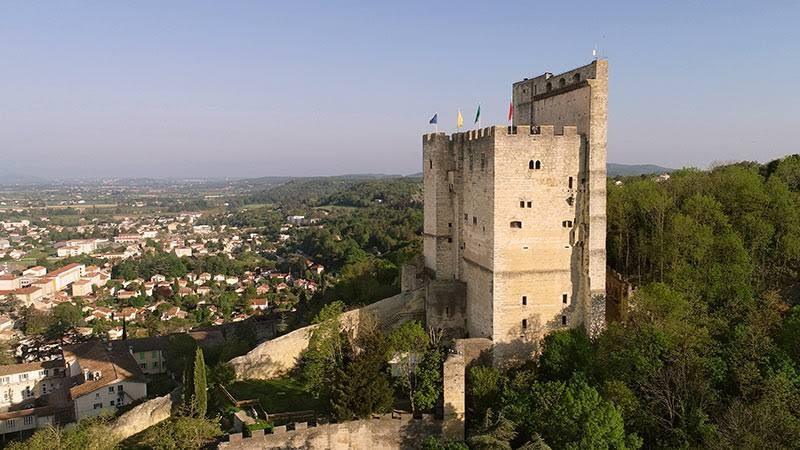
x: 420, y: 364
x: 361, y: 384
x: 200, y: 385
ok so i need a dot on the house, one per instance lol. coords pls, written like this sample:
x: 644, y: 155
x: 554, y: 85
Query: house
x: 24, y: 401
x: 158, y: 278
x: 259, y: 304
x: 81, y: 288
x: 10, y: 282
x: 66, y: 275
x: 203, y: 290
x: 102, y: 377
x: 205, y: 276
x: 35, y: 271
x: 124, y: 295
x: 173, y: 313
x: 115, y: 333
x: 128, y: 314
x: 23, y: 383
x: 183, y: 251
x: 28, y: 295
x: 128, y: 239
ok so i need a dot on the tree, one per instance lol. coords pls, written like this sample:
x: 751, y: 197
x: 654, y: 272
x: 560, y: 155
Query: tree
x: 566, y: 415
x: 361, y: 384
x: 180, y: 432
x: 420, y: 364
x: 325, y: 351
x: 200, y: 385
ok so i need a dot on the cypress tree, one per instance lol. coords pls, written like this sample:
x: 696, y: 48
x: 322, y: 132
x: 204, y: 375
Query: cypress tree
x: 200, y: 394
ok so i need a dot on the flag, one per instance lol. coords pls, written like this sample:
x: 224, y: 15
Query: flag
x: 459, y: 120
x: 434, y: 119
x: 478, y: 114
x: 510, y: 110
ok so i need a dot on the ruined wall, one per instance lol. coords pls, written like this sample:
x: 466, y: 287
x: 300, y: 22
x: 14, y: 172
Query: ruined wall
x: 386, y: 432
x: 467, y: 353
x: 276, y: 357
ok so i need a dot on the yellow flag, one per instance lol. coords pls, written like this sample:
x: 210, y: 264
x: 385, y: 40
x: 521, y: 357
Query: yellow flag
x: 460, y: 120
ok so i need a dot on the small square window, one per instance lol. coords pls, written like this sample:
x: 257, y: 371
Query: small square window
x: 449, y: 224
x: 449, y: 239
x: 111, y: 389
x: 111, y: 403
x: 529, y: 204
x: 522, y: 204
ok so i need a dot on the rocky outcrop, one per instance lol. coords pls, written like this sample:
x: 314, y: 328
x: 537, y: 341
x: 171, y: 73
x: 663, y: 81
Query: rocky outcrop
x: 278, y: 356
x: 145, y: 415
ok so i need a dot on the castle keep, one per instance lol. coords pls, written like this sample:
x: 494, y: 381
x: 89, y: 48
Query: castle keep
x: 515, y: 225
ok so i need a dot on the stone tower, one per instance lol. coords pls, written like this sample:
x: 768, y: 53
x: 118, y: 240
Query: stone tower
x: 515, y: 225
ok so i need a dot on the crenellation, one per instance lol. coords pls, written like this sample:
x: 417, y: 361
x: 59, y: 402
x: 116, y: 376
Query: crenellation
x: 525, y: 208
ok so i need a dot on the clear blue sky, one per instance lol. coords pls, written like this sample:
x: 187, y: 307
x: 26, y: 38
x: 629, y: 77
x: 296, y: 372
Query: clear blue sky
x: 232, y: 88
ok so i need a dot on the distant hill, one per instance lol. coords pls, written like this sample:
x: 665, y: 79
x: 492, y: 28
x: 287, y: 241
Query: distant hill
x: 632, y: 170
x: 11, y: 178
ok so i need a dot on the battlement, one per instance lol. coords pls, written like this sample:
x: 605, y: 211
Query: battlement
x: 505, y: 130
x: 549, y: 84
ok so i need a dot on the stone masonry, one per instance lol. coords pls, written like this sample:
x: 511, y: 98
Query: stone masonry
x: 517, y: 215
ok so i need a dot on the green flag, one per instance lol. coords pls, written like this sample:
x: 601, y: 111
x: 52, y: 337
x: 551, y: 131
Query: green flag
x: 478, y: 114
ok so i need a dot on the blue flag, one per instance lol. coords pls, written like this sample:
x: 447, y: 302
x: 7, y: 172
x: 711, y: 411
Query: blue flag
x: 434, y: 119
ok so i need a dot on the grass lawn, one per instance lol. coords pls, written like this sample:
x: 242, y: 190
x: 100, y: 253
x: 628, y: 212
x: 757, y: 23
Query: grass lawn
x: 280, y: 395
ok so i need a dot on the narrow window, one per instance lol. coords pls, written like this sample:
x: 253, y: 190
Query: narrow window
x: 449, y: 224
x: 564, y: 299
x: 529, y: 204
x: 537, y: 165
x: 522, y: 204
x: 474, y: 220
x: 563, y: 320
x: 447, y: 311
x: 524, y: 300
x: 430, y: 164
x: 466, y: 217
x: 570, y: 182
x: 516, y: 224
x: 524, y: 324
x: 531, y: 164
x: 483, y: 161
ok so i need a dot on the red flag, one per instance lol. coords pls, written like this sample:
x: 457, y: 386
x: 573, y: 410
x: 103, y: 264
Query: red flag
x: 510, y: 110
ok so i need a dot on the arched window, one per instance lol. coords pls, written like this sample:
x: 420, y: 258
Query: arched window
x: 531, y: 164
x: 549, y: 86
x: 576, y: 77
x: 537, y: 165
x: 516, y: 224
x: 562, y: 82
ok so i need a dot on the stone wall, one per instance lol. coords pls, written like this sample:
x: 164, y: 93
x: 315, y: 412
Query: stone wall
x: 276, y: 357
x: 386, y: 432
x: 145, y: 415
x: 467, y: 353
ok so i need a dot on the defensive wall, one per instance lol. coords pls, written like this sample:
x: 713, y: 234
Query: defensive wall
x: 276, y: 357
x: 389, y: 431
